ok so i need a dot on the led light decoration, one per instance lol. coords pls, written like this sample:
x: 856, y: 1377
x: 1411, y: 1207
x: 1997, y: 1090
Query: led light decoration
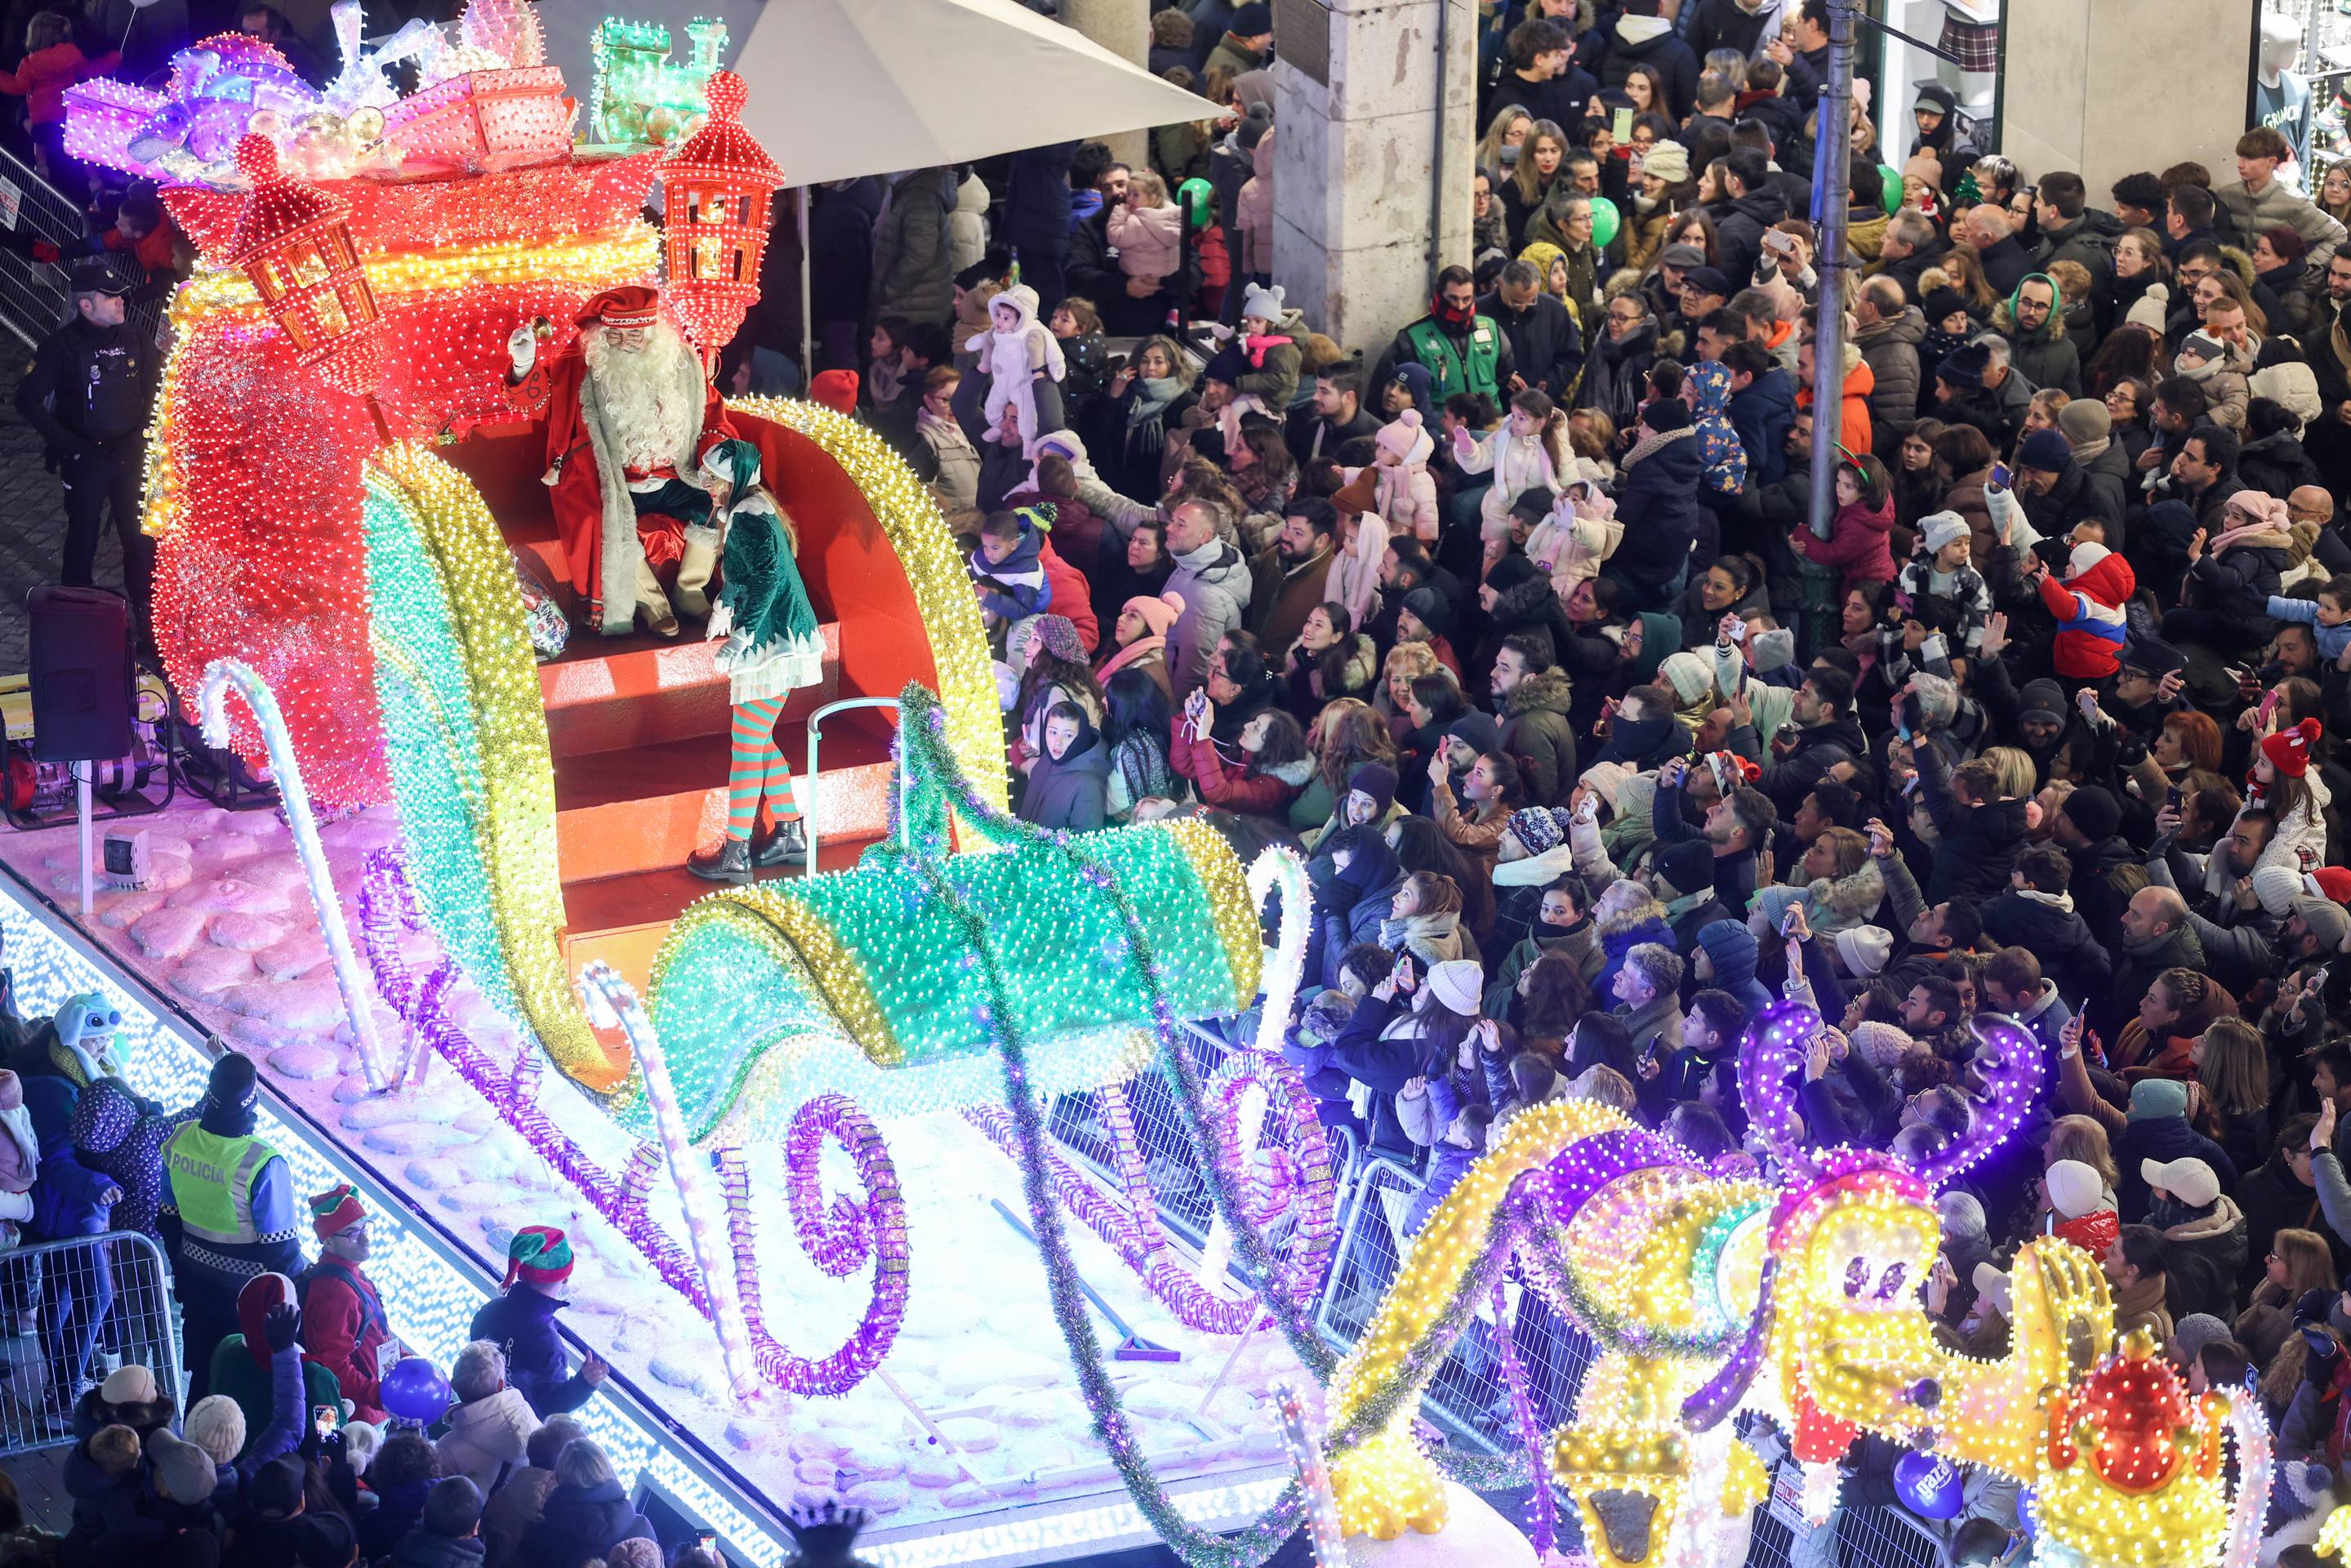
x: 1709, y: 1297
x: 295, y: 246
x: 715, y: 190
x: 1300, y: 1433
x: 638, y: 96
x: 211, y: 701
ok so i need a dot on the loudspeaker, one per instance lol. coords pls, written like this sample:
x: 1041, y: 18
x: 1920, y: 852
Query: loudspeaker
x: 81, y: 674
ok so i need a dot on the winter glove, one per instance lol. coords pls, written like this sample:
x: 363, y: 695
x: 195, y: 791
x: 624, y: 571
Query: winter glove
x: 43, y: 251
x: 2318, y: 1366
x: 280, y: 1324
x: 522, y: 348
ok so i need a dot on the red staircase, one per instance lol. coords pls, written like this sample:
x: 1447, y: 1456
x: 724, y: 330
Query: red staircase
x: 637, y: 727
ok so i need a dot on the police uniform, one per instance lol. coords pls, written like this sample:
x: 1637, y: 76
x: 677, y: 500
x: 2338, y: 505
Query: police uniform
x: 230, y: 1213
x: 88, y: 394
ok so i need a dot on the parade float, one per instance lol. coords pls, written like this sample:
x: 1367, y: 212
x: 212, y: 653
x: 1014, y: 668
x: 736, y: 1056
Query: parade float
x: 777, y: 1114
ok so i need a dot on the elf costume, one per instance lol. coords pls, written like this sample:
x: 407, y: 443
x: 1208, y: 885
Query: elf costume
x: 773, y: 646
x: 344, y: 1323
x: 521, y: 1321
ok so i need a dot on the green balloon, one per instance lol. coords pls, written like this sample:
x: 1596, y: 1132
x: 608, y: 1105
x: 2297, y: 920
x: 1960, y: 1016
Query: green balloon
x: 1194, y: 195
x: 1892, y: 192
x: 1605, y: 220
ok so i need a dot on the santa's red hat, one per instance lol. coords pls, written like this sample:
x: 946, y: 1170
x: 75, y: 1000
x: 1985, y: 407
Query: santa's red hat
x: 2331, y: 882
x: 633, y: 305
x: 837, y: 389
x: 2289, y: 749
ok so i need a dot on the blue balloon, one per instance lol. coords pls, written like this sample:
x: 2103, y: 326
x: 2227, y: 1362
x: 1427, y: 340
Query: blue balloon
x: 1928, y: 1484
x: 415, y: 1390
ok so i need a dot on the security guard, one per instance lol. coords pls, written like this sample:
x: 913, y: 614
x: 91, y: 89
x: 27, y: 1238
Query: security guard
x: 228, y: 1216
x: 89, y: 392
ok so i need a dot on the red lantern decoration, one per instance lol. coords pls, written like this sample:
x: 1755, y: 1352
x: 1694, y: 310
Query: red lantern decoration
x: 716, y: 189
x: 295, y: 242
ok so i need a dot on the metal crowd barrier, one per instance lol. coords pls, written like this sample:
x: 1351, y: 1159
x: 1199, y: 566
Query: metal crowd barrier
x: 84, y: 1307
x: 34, y: 300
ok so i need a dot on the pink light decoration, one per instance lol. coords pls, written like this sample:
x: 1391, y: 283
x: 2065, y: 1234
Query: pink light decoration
x: 1543, y: 1513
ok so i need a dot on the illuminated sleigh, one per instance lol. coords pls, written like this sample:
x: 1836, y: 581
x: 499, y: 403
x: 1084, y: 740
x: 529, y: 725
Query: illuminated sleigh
x: 1710, y: 1299
x: 795, y: 1012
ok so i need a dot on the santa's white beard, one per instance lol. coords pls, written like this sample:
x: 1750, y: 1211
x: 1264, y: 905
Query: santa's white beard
x: 645, y: 421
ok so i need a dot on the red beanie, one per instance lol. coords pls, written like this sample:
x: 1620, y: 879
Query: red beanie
x: 837, y: 389
x: 538, y: 1254
x: 2289, y: 749
x: 2331, y: 882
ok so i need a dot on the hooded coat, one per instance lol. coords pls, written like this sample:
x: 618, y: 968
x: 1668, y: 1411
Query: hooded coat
x: 1660, y: 509
x: 582, y: 1524
x: 1359, y: 897
x: 1651, y: 41
x: 2089, y: 611
x: 2057, y: 935
x: 487, y: 1439
x: 1763, y: 413
x: 1265, y: 792
x: 1859, y: 544
x: 1537, y: 733
x: 1739, y: 234
x: 914, y: 267
x: 1718, y: 438
x: 1890, y: 349
x: 1074, y: 791
x: 1213, y: 581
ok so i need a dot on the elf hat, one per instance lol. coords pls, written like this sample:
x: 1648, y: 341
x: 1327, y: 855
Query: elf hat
x: 335, y: 1211
x: 631, y: 305
x: 538, y: 1255
x: 2289, y: 749
x: 2331, y: 882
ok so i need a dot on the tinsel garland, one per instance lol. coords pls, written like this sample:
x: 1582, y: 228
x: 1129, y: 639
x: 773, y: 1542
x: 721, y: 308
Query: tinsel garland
x: 1543, y: 1519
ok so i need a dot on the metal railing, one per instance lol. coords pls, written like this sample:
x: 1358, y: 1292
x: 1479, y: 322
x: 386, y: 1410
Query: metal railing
x: 809, y: 785
x: 34, y: 297
x: 80, y: 1308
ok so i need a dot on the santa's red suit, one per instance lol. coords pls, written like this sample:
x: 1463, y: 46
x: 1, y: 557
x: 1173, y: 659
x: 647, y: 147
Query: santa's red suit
x: 624, y: 429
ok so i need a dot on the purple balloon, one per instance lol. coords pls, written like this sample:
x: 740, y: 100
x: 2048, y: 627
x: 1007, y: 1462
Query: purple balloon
x: 1929, y: 1484
x: 415, y: 1390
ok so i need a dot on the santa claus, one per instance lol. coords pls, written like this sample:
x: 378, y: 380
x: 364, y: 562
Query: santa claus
x: 629, y: 416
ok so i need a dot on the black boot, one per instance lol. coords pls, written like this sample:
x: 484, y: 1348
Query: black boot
x: 788, y: 842
x: 731, y: 861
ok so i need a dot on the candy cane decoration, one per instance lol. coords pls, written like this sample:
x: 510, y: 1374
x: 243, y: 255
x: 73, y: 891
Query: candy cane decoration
x: 612, y: 1001
x: 211, y: 703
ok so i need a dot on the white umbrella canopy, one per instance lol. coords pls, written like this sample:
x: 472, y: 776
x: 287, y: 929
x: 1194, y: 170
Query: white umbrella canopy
x: 845, y: 87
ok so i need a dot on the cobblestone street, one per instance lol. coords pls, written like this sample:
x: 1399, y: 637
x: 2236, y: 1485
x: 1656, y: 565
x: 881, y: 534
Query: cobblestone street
x: 31, y: 515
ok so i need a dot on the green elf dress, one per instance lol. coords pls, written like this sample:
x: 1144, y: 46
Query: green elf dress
x: 772, y: 647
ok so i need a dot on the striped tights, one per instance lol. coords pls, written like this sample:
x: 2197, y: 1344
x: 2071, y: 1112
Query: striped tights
x: 758, y: 769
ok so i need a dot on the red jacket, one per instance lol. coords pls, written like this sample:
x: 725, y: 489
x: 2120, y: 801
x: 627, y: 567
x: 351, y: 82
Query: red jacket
x: 1072, y: 596
x: 1265, y: 794
x: 2094, y: 1233
x: 44, y: 74
x: 2091, y: 628
x: 342, y: 1329
x: 1857, y: 543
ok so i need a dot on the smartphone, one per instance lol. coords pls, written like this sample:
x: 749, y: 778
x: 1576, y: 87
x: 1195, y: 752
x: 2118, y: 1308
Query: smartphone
x: 2000, y: 474
x: 1738, y: 630
x: 2318, y: 978
x: 2174, y: 798
x: 2269, y: 705
x: 322, y: 1417
x: 1620, y: 125
x: 1788, y: 921
x: 1914, y: 713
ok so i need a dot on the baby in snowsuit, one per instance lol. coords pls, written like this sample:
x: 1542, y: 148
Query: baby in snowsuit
x: 1015, y: 353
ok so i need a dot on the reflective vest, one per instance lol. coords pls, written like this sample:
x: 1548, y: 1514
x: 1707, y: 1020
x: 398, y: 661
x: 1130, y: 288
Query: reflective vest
x: 212, y: 1183
x: 1455, y: 369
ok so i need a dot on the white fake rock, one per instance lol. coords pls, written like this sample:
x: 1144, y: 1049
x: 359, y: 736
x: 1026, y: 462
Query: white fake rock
x: 293, y: 957
x: 226, y: 893
x: 246, y: 932
x: 168, y: 932
x: 678, y: 1371
x: 1161, y: 1401
x: 132, y: 907
x: 208, y: 971
x: 303, y: 1060
x: 1474, y: 1532
x: 971, y: 1434
x: 821, y: 1443
x: 411, y: 1138
x: 880, y: 1497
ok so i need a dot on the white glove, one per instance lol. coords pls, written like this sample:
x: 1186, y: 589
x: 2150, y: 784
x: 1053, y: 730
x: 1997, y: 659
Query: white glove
x: 522, y: 348
x: 722, y: 620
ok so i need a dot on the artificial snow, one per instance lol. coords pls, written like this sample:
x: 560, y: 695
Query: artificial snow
x: 232, y: 937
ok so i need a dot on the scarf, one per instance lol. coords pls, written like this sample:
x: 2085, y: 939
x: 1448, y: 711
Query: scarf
x: 2060, y: 901
x: 2261, y: 535
x: 1158, y: 392
x: 1128, y: 655
x: 1657, y: 443
x: 1454, y: 319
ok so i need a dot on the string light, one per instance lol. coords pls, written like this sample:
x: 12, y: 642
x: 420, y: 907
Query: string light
x: 639, y: 95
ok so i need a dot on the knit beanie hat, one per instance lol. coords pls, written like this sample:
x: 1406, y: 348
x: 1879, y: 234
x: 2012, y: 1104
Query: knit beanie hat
x: 1670, y: 162
x: 2258, y: 509
x: 2045, y: 452
x: 2289, y: 749
x: 1159, y: 611
x: 836, y: 390
x: 2277, y: 887
x: 2094, y: 811
x: 2191, y: 1333
x: 335, y: 1211
x: 217, y: 1425
x: 2200, y: 347
x: 1939, y: 304
x: 1478, y: 731
x: 184, y: 1472
x: 1458, y: 984
x: 131, y: 1384
x: 1511, y: 570
x: 2075, y: 1188
x: 1404, y: 436
x: 1690, y: 676
x: 1864, y: 949
x: 2085, y: 420
x: 1883, y: 1043
x: 2085, y: 555
x: 12, y: 1090
x: 2332, y: 882
x: 1942, y: 528
x: 2153, y: 1098
x: 2043, y: 700
x: 234, y: 1084
x: 1687, y: 867
x: 1774, y: 650
x: 1376, y: 780
x: 2149, y: 310
x: 1431, y: 608
x: 1964, y: 367
x: 1262, y: 302
x: 1666, y: 413
x: 538, y: 1255
x: 1535, y: 829
x: 1229, y: 365
x: 1060, y: 635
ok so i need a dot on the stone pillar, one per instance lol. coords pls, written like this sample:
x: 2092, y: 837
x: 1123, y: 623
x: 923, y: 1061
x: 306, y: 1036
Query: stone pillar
x: 1124, y: 27
x: 1373, y: 142
x: 2074, y: 99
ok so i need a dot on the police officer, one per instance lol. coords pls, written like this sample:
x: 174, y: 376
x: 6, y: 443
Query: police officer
x: 88, y: 394
x: 228, y: 1215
